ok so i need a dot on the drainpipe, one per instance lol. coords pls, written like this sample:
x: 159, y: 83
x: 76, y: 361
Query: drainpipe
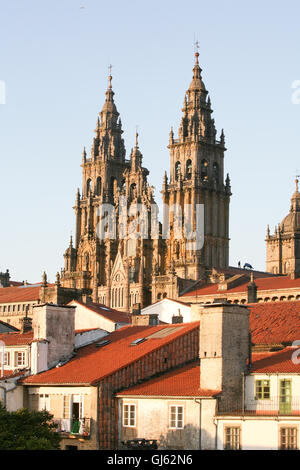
x: 243, y: 392
x: 200, y: 423
x: 4, y: 395
x: 98, y: 418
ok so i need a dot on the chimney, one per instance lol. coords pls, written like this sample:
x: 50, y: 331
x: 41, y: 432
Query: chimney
x: 26, y: 324
x: 224, y: 350
x: 144, y: 320
x: 252, y: 291
x: 177, y: 318
x: 53, y: 335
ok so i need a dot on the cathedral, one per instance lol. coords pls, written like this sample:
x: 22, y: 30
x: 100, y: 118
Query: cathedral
x: 115, y: 266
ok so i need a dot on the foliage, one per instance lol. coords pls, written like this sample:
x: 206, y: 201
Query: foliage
x: 27, y: 430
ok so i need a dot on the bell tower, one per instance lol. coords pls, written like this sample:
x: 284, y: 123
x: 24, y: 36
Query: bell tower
x: 283, y: 247
x: 197, y: 177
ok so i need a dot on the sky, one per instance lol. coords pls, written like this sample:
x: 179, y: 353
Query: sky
x: 54, y: 58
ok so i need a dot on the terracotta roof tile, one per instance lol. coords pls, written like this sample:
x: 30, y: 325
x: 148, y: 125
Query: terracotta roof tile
x: 275, y: 322
x: 93, y: 363
x: 181, y: 382
x: 276, y: 362
x: 266, y: 283
x: 106, y: 312
x: 19, y: 294
x: 17, y: 339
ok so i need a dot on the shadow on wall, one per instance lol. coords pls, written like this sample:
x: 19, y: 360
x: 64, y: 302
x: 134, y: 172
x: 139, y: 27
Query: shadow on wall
x: 187, y: 438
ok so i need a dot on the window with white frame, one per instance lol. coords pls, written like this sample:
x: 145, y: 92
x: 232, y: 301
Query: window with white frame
x: 66, y: 406
x: 129, y: 415
x: 232, y: 438
x: 288, y: 438
x: 44, y: 402
x: 6, y: 358
x: 20, y: 358
x: 176, y: 417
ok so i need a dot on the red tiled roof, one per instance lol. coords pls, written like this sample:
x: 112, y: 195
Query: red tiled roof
x: 266, y: 283
x: 9, y: 374
x: 19, y: 294
x: 276, y: 362
x: 93, y: 363
x: 275, y: 322
x: 182, y: 382
x: 106, y: 312
x: 17, y: 339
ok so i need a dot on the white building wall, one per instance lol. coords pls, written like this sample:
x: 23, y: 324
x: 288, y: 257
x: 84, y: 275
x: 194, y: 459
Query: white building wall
x: 166, y: 308
x: 86, y: 318
x: 256, y: 433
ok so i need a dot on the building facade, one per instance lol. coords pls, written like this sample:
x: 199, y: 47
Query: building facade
x: 117, y: 259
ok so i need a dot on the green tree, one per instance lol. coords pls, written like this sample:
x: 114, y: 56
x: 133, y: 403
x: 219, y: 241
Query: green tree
x: 27, y: 430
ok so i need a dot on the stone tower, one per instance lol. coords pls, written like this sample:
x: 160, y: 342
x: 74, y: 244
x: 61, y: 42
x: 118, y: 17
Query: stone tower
x: 283, y: 247
x: 224, y: 349
x: 110, y: 262
x: 197, y: 177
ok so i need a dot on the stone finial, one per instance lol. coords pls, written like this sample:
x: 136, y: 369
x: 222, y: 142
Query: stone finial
x: 57, y: 282
x: 44, y: 279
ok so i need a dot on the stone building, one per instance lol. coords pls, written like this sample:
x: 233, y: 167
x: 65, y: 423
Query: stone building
x: 114, y: 264
x: 283, y: 247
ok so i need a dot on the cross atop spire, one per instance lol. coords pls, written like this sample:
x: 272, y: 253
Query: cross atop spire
x: 196, y: 44
x: 109, y: 76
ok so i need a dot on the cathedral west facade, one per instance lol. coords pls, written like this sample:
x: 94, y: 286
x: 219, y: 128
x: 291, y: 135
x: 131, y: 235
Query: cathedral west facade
x: 112, y: 264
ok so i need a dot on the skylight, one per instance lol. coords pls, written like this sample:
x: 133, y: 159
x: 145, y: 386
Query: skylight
x: 137, y: 341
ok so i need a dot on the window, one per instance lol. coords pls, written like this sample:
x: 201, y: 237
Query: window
x: 129, y: 416
x: 288, y: 438
x: 262, y: 389
x: 204, y: 168
x: 66, y: 407
x: 44, y: 402
x: 176, y: 417
x: 216, y: 172
x: 20, y: 358
x: 177, y: 170
x: 189, y: 169
x: 6, y: 359
x: 98, y: 186
x: 232, y: 438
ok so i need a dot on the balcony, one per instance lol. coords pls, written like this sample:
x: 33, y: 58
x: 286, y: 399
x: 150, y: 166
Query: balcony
x: 74, y: 427
x: 275, y: 406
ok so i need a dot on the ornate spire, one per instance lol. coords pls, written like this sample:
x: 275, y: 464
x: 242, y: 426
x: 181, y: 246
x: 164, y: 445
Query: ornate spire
x: 136, y: 156
x: 108, y: 143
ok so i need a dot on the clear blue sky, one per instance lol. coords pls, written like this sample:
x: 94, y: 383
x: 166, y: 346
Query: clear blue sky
x: 54, y: 61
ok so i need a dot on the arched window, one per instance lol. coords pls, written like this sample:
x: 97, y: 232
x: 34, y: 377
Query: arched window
x: 99, y: 186
x: 177, y: 170
x: 164, y: 295
x: 158, y: 296
x: 88, y: 187
x: 189, y: 169
x: 113, y: 184
x: 133, y: 191
x: 123, y: 185
x: 204, y: 170
x: 216, y: 172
